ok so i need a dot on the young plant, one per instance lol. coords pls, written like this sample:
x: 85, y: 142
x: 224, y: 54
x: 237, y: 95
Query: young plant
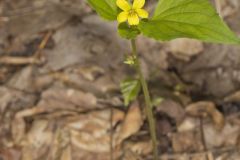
x: 171, y: 19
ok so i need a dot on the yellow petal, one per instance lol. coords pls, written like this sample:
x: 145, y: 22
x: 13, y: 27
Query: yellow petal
x: 124, y: 5
x: 142, y: 13
x: 123, y: 16
x: 133, y: 19
x: 137, y: 4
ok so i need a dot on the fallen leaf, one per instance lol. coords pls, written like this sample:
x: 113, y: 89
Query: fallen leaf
x: 38, y: 136
x: 37, y: 141
x: 141, y: 148
x: 184, y: 48
x: 163, y: 124
x: 189, y: 141
x: 132, y: 122
x: 18, y: 129
x: 226, y: 137
x: 235, y: 97
x: 204, y: 109
x: 10, y: 154
x: 66, y: 155
x: 90, y: 131
x: 188, y: 124
x: 23, y: 80
x: 172, y: 109
x: 89, y: 72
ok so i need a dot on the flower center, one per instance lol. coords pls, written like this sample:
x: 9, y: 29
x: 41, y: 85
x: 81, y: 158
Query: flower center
x: 132, y: 12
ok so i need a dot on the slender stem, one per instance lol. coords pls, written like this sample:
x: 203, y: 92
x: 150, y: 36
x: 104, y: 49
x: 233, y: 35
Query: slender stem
x: 148, y: 102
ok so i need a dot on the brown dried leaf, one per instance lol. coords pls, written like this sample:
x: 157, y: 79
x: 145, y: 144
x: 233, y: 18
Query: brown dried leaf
x: 58, y: 98
x: 140, y: 148
x: 188, y: 124
x: 10, y: 154
x: 60, y: 145
x: 132, y: 122
x: 66, y: 155
x: 90, y: 131
x: 172, y: 109
x: 38, y: 136
x: 226, y: 137
x: 187, y: 141
x: 235, y: 97
x: 184, y: 48
x: 37, y: 141
x: 89, y: 72
x: 204, y: 109
x: 18, y: 128
x: 23, y: 80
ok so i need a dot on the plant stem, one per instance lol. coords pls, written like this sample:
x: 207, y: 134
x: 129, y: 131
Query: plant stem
x: 148, y: 102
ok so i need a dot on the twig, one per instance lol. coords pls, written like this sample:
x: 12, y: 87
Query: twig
x: 19, y: 60
x: 35, y: 59
x: 43, y: 44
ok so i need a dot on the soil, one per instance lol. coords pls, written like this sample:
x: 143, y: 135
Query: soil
x: 60, y: 72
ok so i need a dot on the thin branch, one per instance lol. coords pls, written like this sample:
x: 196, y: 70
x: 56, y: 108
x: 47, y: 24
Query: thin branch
x: 35, y: 59
x: 9, y: 60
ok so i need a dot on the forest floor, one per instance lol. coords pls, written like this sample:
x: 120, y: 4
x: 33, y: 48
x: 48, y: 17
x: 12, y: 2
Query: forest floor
x: 60, y: 70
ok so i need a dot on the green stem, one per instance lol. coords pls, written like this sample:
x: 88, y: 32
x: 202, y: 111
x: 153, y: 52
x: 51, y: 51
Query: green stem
x: 148, y: 102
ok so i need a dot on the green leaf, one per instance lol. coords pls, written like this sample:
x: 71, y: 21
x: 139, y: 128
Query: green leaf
x: 157, y: 101
x: 130, y: 60
x: 125, y: 31
x: 130, y: 89
x: 107, y: 9
x: 190, y: 19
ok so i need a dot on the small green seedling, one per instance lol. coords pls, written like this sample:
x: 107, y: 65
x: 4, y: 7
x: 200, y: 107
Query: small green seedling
x: 172, y: 19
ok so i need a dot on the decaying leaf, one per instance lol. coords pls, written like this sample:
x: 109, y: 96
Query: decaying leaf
x: 18, y: 129
x: 141, y: 148
x: 172, y: 109
x: 89, y: 72
x: 184, y: 48
x: 90, y: 131
x: 226, y: 137
x: 23, y: 80
x: 132, y: 122
x: 37, y: 141
x: 189, y: 141
x: 204, y: 109
x: 10, y: 154
x: 188, y: 124
x: 235, y: 97
x: 56, y: 100
x: 66, y: 155
x: 38, y: 136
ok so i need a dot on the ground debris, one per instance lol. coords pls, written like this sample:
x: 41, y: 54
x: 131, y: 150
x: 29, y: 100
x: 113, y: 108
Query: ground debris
x: 60, y: 70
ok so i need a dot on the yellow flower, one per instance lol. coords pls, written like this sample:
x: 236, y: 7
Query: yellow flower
x: 131, y: 13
